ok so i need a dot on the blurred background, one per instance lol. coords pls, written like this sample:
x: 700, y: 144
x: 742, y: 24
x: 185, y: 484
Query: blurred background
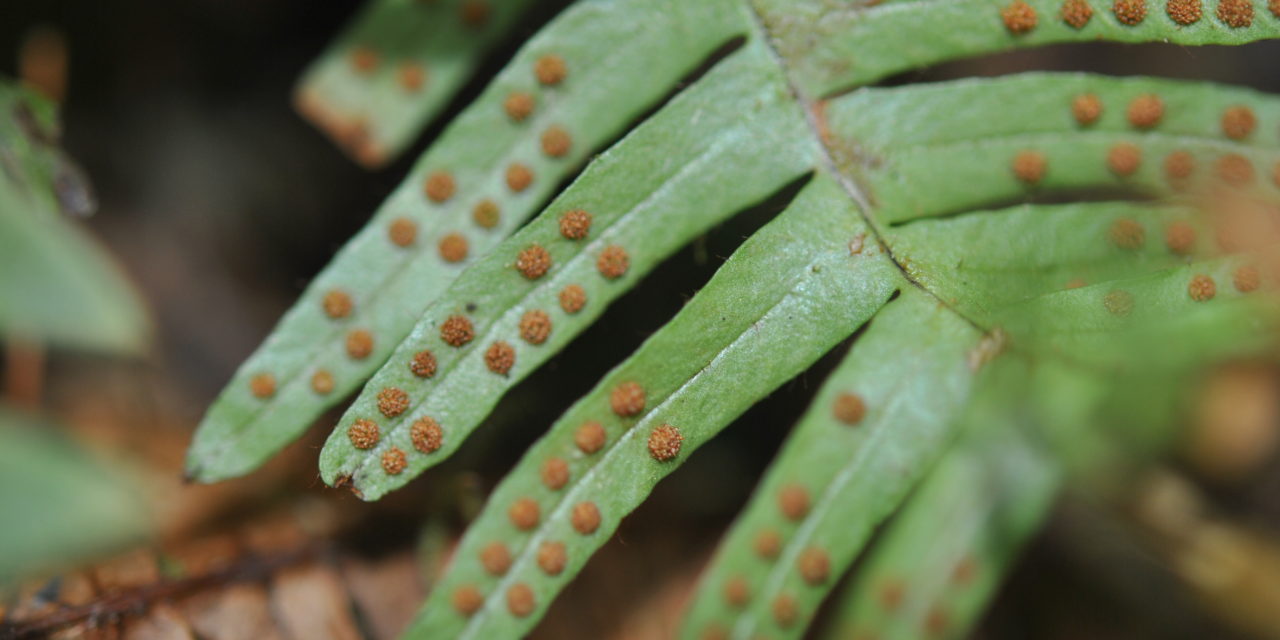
x: 219, y: 202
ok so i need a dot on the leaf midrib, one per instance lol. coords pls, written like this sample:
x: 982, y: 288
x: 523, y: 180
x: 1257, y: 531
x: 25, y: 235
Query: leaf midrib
x: 829, y: 164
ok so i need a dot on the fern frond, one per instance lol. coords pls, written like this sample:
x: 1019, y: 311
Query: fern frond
x: 471, y: 189
x: 735, y: 341
x: 633, y: 203
x: 878, y: 423
x: 395, y: 68
x: 942, y: 558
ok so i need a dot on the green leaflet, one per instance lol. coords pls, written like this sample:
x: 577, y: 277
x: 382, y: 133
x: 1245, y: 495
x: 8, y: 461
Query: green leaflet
x: 941, y: 559
x: 834, y: 46
x: 736, y: 340
x: 985, y: 260
x: 912, y: 373
x: 1142, y: 319
x: 641, y: 195
x: 927, y: 150
x: 395, y: 68
x: 614, y: 72
x: 58, y: 504
x: 56, y: 283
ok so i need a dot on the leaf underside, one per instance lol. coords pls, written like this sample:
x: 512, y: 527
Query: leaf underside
x: 395, y: 67
x: 934, y: 212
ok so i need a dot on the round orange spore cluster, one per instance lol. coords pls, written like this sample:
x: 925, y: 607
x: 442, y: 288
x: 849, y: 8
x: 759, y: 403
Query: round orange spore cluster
x: 359, y: 344
x: 1124, y: 159
x: 500, y: 357
x: 1127, y: 233
x: 363, y: 433
x: 402, y: 232
x: 613, y: 262
x: 556, y: 141
x: 550, y: 69
x: 337, y: 304
x: 590, y: 437
x: 519, y: 177
x: 440, y: 186
x: 1130, y: 12
x: 456, y: 330
x: 793, y: 501
x: 552, y: 557
x: 1184, y: 12
x: 1019, y: 17
x: 1086, y: 108
x: 575, y: 224
x: 573, y: 297
x: 518, y: 105
x: 665, y: 442
x: 392, y: 401
x: 585, y: 518
x: 533, y: 262
x: 426, y: 434
x: 535, y: 326
x: 524, y: 514
x: 423, y: 364
x: 1145, y: 111
x: 453, y: 247
x: 262, y: 385
x: 555, y: 473
x: 627, y: 399
x: 394, y: 461
x: 1238, y: 122
x: 1236, y: 14
x: 1029, y: 166
x: 1201, y: 288
x: 486, y: 214
x: 1076, y: 13
x: 849, y: 408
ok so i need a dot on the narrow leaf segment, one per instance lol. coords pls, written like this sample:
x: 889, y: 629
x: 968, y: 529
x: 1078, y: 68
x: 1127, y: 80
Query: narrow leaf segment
x: 880, y: 420
x: 633, y: 207
x: 941, y: 559
x: 395, y: 67
x: 477, y: 183
x: 736, y: 340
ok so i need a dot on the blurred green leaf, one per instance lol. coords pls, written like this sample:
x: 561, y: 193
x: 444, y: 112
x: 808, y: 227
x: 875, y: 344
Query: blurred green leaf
x: 56, y: 283
x: 58, y: 504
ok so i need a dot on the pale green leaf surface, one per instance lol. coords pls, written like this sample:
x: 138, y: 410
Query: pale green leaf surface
x: 833, y: 46
x: 374, y: 112
x: 615, y: 71
x: 911, y: 370
x: 735, y: 341
x: 650, y: 194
